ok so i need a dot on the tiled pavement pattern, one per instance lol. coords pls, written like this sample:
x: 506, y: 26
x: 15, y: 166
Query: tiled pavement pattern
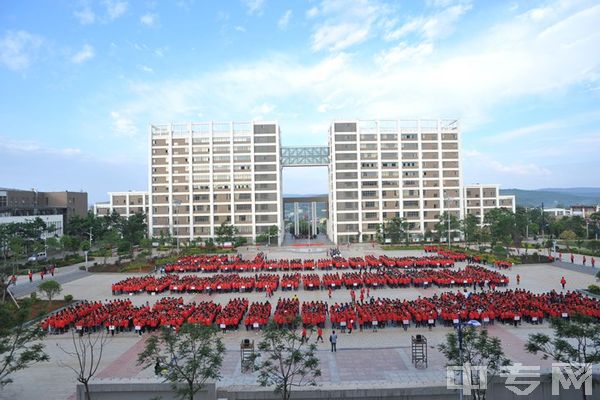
x: 378, y: 359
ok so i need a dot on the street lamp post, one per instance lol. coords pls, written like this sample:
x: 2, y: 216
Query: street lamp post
x: 91, y: 236
x: 446, y: 199
x: 177, y: 203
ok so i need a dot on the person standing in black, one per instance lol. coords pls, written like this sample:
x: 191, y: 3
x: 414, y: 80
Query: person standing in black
x: 333, y: 341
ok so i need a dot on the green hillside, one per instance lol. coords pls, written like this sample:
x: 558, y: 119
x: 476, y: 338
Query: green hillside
x: 554, y: 197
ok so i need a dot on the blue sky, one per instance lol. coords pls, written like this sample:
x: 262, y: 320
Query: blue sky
x: 82, y: 80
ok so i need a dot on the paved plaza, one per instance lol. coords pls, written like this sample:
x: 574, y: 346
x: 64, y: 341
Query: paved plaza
x: 364, y: 359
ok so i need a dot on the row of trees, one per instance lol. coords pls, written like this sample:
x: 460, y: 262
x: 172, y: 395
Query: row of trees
x: 501, y: 227
x: 574, y: 342
x: 106, y: 233
x: 19, y: 239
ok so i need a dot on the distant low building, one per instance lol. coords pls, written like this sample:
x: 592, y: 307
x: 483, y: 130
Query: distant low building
x: 479, y: 199
x: 583, y: 210
x: 558, y: 212
x: 54, y: 208
x: 123, y: 203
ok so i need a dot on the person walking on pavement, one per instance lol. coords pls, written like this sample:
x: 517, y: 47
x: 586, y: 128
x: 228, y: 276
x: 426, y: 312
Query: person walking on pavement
x: 30, y: 274
x: 563, y: 282
x: 593, y: 262
x: 333, y: 341
x: 584, y: 261
x: 518, y: 279
x: 572, y: 258
x: 320, y: 334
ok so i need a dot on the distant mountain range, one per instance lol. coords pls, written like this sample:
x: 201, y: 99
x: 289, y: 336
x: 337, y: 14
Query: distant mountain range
x: 555, y: 197
x: 551, y: 197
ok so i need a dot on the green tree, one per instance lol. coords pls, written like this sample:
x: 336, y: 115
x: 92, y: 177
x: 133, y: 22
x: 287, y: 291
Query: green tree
x: 50, y: 288
x: 478, y: 350
x: 20, y: 344
x: 134, y: 228
x: 503, y: 228
x: 285, y: 361
x: 17, y: 247
x: 594, y: 245
x: 575, y: 341
x: 447, y: 221
x: 469, y: 226
x: 124, y: 247
x: 146, y: 244
x: 568, y: 235
x: 85, y: 245
x: 225, y: 233
x: 272, y: 233
x: 70, y: 243
x: 53, y: 246
x: 395, y: 229
x: 191, y: 356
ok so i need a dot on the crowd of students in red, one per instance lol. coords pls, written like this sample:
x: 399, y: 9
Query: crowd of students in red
x: 258, y: 315
x: 120, y: 315
x: 287, y: 311
x: 314, y: 313
x: 262, y: 282
x: 450, y: 308
x: 193, y: 283
x: 224, y: 263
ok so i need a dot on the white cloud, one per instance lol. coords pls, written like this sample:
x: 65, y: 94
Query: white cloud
x: 472, y: 153
x: 86, y: 53
x: 312, y: 12
x: 431, y: 27
x: 18, y: 49
x: 548, y: 128
x: 345, y: 23
x: 284, y: 21
x: 149, y: 20
x: 240, y: 28
x: 264, y: 108
x: 146, y: 68
x: 115, y: 8
x: 255, y: 7
x: 160, y: 52
x: 35, y: 147
x: 404, y: 52
x: 85, y: 16
x: 468, y: 80
x: 339, y: 36
x: 520, y: 168
x: 122, y: 126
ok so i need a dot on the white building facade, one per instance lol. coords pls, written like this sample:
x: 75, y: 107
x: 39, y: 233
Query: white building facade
x: 203, y: 175
x: 392, y: 168
x: 123, y: 203
x: 480, y: 198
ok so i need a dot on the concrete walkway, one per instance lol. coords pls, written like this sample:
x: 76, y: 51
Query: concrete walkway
x: 61, y: 275
x: 577, y: 267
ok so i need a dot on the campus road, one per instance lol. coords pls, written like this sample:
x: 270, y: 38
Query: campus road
x: 61, y: 275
